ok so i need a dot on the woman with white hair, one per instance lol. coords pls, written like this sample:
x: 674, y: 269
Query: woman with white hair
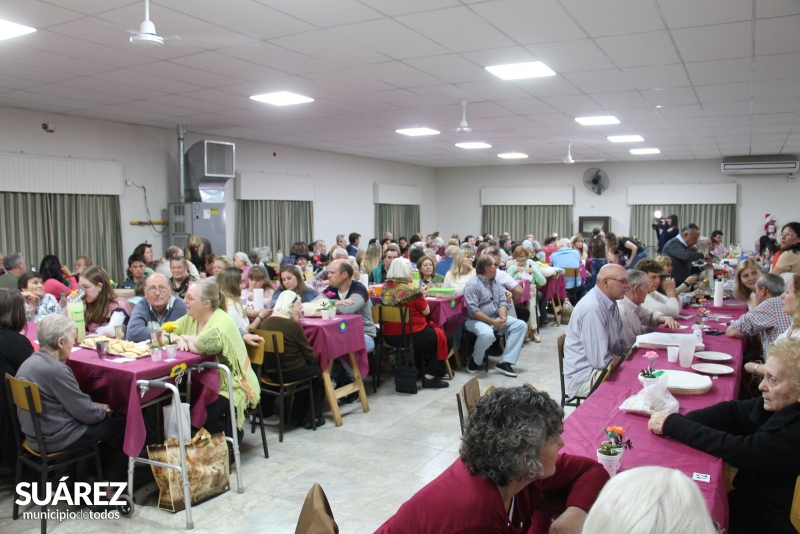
x: 241, y: 261
x: 298, y: 360
x: 650, y: 499
x: 399, y: 290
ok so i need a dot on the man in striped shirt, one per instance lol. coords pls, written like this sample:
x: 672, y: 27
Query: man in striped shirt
x: 767, y: 319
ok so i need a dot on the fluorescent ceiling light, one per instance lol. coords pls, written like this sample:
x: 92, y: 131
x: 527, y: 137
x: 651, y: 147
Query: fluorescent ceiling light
x: 595, y: 121
x: 512, y: 155
x: 625, y: 138
x: 413, y: 132
x: 282, y: 98
x: 640, y: 151
x: 476, y: 144
x: 10, y: 29
x: 519, y: 71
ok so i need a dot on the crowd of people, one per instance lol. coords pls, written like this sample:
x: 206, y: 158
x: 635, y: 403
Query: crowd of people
x: 509, y: 455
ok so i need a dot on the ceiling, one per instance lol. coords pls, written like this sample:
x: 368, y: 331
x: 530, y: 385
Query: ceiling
x: 698, y: 80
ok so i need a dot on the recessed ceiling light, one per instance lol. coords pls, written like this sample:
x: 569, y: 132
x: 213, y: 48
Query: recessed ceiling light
x: 10, y: 29
x: 413, y: 132
x: 519, y: 71
x: 282, y: 98
x: 476, y: 144
x: 640, y: 151
x: 625, y: 138
x: 512, y: 155
x: 595, y: 121
x: 659, y: 107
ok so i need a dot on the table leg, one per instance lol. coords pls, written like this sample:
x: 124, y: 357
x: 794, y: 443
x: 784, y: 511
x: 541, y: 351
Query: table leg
x: 331, y: 394
x: 359, y: 381
x: 335, y: 394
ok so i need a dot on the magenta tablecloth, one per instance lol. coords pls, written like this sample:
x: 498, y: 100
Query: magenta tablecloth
x: 526, y: 292
x: 447, y: 312
x: 336, y: 337
x: 583, y: 428
x: 556, y: 285
x: 115, y: 384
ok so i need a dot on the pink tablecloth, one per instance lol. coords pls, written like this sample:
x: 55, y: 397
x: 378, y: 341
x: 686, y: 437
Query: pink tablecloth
x: 337, y: 337
x: 115, y: 384
x: 526, y: 292
x: 448, y: 313
x: 583, y: 428
x: 556, y: 285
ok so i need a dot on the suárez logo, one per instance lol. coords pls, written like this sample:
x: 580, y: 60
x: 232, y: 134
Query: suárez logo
x: 82, y: 493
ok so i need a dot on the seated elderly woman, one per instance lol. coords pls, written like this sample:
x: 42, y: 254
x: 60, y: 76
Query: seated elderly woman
x: 399, y: 290
x: 747, y: 274
x: 179, y: 283
x: 69, y: 418
x: 427, y: 272
x: 37, y: 302
x: 646, y: 499
x: 665, y: 262
x: 207, y: 329
x: 788, y: 259
x: 103, y: 309
x: 759, y: 436
x: 241, y: 261
x: 508, y: 460
x: 523, y: 267
x: 14, y: 349
x: 298, y: 360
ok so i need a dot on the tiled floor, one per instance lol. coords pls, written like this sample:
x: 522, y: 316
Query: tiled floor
x: 368, y: 467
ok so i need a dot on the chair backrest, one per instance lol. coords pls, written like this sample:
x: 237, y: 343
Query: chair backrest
x: 574, y: 273
x: 467, y: 397
x: 256, y: 354
x: 25, y: 395
x: 316, y: 516
x: 565, y: 399
x: 795, y: 513
x: 396, y: 314
x: 273, y: 347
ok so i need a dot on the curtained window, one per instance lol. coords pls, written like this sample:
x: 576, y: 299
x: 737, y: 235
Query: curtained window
x: 274, y: 223
x: 400, y: 219
x: 519, y: 221
x: 68, y: 226
x: 708, y: 217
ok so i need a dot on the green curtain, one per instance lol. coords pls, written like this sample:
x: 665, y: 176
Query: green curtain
x: 67, y: 226
x: 708, y: 217
x: 519, y: 221
x: 274, y: 223
x: 400, y: 219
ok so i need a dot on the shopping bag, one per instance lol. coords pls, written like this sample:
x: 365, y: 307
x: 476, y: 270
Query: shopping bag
x: 207, y: 465
x: 173, y: 418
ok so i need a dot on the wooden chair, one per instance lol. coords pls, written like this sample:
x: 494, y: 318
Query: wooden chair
x: 25, y: 396
x: 401, y: 315
x: 795, y: 517
x: 316, y: 516
x: 574, y: 402
x: 467, y: 397
x: 256, y: 355
x: 575, y: 274
x: 554, y: 300
x: 273, y: 346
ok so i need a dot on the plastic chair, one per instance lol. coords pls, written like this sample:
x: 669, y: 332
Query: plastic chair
x: 256, y: 355
x: 273, y: 345
x: 25, y: 396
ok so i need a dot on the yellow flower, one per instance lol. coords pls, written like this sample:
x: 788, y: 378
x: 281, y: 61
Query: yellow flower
x: 169, y: 327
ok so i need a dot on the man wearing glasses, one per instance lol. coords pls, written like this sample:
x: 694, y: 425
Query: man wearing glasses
x: 158, y: 307
x: 594, y: 334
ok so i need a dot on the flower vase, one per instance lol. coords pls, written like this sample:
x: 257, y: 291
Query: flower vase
x: 609, y: 462
x: 648, y: 381
x: 326, y: 314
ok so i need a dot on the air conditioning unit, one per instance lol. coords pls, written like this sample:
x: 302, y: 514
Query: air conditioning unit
x: 760, y: 165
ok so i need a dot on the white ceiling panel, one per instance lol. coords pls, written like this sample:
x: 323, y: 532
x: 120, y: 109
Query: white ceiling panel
x: 375, y: 65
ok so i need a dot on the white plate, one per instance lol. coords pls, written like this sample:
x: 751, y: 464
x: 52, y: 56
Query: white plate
x: 712, y: 368
x: 686, y: 383
x: 712, y: 356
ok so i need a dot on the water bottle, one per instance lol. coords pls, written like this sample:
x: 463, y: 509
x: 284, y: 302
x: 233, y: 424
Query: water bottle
x: 62, y: 305
x: 75, y: 311
x: 416, y: 276
x: 279, y: 257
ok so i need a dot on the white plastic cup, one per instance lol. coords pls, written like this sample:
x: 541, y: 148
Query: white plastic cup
x: 672, y: 354
x: 155, y: 354
x: 326, y: 314
x: 686, y: 350
x: 171, y: 352
x: 333, y: 313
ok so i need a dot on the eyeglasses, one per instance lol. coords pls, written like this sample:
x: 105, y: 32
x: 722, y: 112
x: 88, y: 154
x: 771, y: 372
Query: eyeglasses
x: 788, y: 234
x: 623, y: 281
x: 153, y: 289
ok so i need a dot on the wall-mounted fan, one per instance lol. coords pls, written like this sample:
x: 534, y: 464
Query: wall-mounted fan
x: 595, y: 180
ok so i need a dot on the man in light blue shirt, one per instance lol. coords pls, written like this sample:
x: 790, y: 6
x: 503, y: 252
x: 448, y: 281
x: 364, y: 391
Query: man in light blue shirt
x: 567, y: 257
x: 487, y: 312
x: 594, y: 334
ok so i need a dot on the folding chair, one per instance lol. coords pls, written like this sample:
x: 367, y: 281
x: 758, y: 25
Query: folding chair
x: 256, y: 355
x: 575, y: 401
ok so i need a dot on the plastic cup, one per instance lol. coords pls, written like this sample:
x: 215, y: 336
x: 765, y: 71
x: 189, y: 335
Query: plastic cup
x: 672, y: 354
x: 155, y: 354
x: 171, y: 352
x: 102, y: 349
x: 326, y: 314
x: 686, y: 351
x: 333, y: 312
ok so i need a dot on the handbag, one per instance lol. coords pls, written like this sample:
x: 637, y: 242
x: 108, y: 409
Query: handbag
x: 405, y: 374
x: 566, y: 311
x: 207, y: 465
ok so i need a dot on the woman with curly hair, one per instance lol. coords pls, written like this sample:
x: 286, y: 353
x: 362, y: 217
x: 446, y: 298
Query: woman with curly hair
x: 508, y: 459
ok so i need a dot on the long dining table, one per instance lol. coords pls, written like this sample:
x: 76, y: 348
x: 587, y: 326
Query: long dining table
x: 583, y: 429
x: 114, y: 382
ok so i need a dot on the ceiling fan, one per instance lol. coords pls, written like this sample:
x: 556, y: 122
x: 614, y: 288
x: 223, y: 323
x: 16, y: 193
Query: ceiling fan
x: 147, y: 36
x: 569, y: 160
x: 464, y: 127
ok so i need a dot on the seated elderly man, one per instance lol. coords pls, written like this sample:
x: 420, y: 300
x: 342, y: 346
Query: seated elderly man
x: 508, y: 459
x: 636, y: 319
x: 378, y: 274
x: 15, y: 266
x: 594, y: 334
x: 767, y: 319
x: 444, y: 265
x: 668, y: 302
x: 487, y: 313
x: 567, y: 257
x: 158, y: 307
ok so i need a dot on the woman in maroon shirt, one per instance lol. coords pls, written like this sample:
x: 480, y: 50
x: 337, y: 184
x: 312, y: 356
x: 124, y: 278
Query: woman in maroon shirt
x: 398, y: 290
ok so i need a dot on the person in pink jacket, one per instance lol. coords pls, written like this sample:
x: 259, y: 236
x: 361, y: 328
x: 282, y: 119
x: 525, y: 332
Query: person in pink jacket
x: 55, y: 282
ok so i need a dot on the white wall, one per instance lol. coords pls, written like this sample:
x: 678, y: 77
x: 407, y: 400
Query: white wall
x: 343, y: 184
x: 458, y: 206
